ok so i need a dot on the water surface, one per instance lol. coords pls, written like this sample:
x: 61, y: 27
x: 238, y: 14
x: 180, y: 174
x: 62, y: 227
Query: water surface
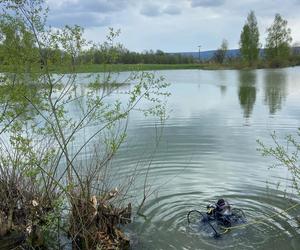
x: 208, y: 151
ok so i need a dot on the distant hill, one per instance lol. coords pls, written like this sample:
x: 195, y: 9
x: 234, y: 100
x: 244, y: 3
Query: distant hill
x: 207, y: 55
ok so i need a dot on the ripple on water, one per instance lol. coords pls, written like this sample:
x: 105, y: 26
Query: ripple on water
x: 166, y: 224
x: 207, y: 151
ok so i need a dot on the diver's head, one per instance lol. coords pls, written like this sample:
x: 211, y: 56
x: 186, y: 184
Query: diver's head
x: 223, y: 207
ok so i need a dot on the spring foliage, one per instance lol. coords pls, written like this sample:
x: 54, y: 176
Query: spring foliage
x: 278, y: 40
x: 249, y: 41
x: 38, y: 131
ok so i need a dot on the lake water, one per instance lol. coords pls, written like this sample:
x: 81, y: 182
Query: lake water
x: 208, y: 150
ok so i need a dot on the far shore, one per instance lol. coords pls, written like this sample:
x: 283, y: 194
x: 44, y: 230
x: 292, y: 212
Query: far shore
x: 97, y: 68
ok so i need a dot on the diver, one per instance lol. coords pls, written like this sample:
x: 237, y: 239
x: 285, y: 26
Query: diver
x: 220, y: 214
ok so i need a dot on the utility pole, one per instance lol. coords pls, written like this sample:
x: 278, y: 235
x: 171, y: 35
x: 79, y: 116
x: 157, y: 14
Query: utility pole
x: 199, y: 46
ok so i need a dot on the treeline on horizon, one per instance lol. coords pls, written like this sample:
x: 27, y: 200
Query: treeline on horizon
x: 277, y: 51
x: 96, y: 55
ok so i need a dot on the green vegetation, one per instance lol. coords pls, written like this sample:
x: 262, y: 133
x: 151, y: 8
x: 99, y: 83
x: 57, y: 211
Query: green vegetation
x: 249, y: 42
x: 285, y: 155
x: 51, y: 190
x: 210, y: 65
x: 97, y: 68
x: 97, y: 55
x: 220, y: 54
x: 112, y: 56
x: 94, y: 68
x: 278, y: 42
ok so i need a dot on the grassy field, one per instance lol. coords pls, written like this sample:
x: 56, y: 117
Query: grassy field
x: 95, y: 68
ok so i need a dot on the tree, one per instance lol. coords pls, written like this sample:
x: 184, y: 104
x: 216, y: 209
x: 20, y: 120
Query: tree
x: 285, y: 154
x: 249, y: 41
x: 278, y: 40
x: 42, y: 173
x: 220, y: 54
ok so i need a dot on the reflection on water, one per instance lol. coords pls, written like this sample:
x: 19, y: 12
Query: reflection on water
x: 222, y: 79
x: 275, y: 89
x: 247, y: 91
x: 223, y: 89
x: 206, y: 153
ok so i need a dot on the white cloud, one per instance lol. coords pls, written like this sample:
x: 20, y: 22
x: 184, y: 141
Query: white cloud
x: 172, y: 10
x: 151, y: 10
x: 206, y: 3
x: 173, y: 25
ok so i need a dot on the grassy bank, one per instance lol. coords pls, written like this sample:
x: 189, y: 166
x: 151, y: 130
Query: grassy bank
x: 96, y: 68
x: 93, y: 68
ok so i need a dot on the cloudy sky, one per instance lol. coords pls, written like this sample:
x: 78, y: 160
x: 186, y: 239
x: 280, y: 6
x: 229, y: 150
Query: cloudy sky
x: 172, y: 25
